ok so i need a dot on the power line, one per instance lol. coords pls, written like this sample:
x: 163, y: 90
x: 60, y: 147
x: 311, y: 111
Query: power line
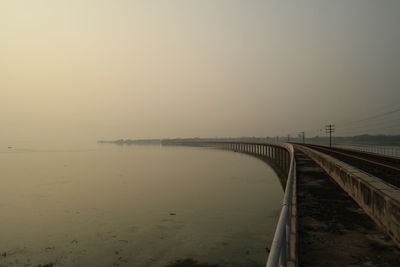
x: 372, y: 129
x: 378, y: 124
x: 367, y: 124
x: 380, y: 121
x: 371, y: 117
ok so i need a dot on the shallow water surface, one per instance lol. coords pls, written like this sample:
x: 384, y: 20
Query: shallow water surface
x: 135, y: 206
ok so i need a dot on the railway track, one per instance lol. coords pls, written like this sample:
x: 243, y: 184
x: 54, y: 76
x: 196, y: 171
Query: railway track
x: 383, y: 167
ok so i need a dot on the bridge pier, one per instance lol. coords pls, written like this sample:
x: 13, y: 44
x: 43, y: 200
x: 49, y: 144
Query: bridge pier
x: 280, y: 157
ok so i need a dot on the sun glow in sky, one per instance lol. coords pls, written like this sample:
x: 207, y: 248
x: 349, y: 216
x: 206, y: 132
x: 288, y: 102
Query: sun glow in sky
x: 88, y: 70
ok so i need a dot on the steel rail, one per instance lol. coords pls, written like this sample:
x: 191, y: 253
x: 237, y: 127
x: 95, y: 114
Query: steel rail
x: 380, y: 157
x: 351, y: 156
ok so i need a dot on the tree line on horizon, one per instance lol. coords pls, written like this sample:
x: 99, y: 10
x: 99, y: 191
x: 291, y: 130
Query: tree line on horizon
x: 380, y: 139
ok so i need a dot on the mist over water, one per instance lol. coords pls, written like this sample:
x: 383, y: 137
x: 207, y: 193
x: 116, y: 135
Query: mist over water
x: 74, y: 71
x: 106, y: 205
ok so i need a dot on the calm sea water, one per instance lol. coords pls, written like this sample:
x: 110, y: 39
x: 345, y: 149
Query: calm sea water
x: 112, y: 205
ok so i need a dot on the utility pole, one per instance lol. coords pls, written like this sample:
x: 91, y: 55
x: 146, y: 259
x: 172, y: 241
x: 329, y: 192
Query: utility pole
x: 329, y: 129
x: 304, y: 137
x: 288, y: 137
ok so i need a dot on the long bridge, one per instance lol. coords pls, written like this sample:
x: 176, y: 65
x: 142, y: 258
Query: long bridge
x: 341, y: 207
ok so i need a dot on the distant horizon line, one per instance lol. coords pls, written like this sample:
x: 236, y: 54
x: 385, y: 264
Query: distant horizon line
x: 362, y: 137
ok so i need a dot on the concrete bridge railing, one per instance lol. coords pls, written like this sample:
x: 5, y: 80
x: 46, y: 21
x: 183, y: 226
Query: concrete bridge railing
x: 380, y: 200
x: 283, y: 251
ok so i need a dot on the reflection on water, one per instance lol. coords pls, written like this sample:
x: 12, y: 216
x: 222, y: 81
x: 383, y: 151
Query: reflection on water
x: 135, y: 206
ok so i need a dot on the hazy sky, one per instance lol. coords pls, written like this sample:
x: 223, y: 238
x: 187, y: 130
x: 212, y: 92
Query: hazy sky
x: 89, y: 70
